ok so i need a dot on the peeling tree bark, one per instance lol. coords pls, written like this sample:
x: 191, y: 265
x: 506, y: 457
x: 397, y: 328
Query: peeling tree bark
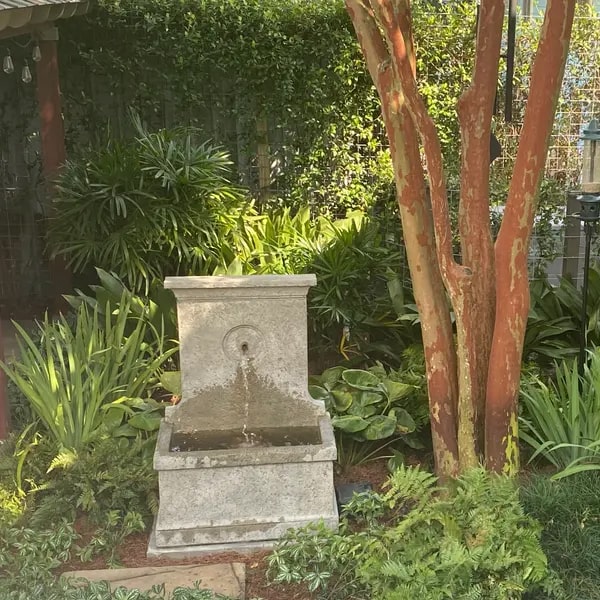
x: 473, y: 387
x: 420, y: 245
x: 512, y: 244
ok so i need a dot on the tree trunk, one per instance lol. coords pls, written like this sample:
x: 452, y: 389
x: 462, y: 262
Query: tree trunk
x: 417, y: 227
x: 512, y: 244
x: 473, y: 389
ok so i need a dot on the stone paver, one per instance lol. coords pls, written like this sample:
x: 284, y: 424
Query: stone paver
x: 228, y: 579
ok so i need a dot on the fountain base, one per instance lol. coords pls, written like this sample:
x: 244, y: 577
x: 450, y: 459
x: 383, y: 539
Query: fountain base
x: 238, y: 498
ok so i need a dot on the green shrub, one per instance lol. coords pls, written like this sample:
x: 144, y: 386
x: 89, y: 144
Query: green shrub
x: 157, y: 308
x: 360, y: 301
x: 569, y: 510
x: 472, y: 541
x: 27, y: 557
x: 156, y: 206
x: 561, y: 419
x: 92, y: 378
x: 554, y: 324
x: 551, y: 332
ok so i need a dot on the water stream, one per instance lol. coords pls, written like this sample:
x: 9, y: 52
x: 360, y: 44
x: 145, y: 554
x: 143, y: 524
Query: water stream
x: 245, y: 366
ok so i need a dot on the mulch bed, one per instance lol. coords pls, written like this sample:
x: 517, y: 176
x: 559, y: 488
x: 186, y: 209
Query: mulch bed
x: 132, y: 552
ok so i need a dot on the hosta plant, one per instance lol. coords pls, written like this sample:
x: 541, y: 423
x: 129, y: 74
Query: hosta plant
x: 373, y: 408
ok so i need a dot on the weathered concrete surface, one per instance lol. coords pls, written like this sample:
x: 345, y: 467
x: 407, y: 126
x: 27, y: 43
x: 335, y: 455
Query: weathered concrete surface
x: 243, y: 339
x: 226, y: 579
x: 244, y: 363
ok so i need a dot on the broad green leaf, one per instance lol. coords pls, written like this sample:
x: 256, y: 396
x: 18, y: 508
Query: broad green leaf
x: 349, y: 423
x: 125, y: 430
x: 396, y: 290
x: 171, y: 381
x: 395, y: 461
x: 396, y: 390
x: 361, y: 380
x: 331, y: 376
x: 145, y: 421
x: 319, y: 393
x: 342, y: 400
x: 363, y: 411
x: 367, y: 398
x: 380, y: 427
x: 404, y: 422
x: 112, y: 418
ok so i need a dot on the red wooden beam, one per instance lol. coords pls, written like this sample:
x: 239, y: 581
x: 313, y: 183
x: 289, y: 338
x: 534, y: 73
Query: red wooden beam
x: 4, y: 406
x: 52, y: 136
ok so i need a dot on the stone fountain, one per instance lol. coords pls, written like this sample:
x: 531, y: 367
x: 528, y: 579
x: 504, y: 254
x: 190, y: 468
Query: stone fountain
x: 246, y: 454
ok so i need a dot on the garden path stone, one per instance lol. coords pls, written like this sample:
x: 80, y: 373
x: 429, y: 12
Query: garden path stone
x: 228, y: 579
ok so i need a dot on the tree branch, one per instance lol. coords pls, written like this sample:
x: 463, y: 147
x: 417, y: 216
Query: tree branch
x: 475, y: 110
x: 389, y: 18
x: 512, y: 244
x: 419, y: 240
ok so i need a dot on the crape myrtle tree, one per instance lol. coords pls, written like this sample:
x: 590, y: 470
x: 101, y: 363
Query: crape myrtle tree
x: 473, y: 380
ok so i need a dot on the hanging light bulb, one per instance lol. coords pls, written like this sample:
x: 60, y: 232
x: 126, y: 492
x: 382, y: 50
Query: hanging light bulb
x: 7, y: 63
x: 36, y: 53
x: 26, y: 73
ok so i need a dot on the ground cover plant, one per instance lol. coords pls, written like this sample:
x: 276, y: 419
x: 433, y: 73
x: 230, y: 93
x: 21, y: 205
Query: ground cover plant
x: 415, y: 541
x: 569, y: 511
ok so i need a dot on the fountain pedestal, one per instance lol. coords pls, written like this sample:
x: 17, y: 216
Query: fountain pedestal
x: 244, y: 369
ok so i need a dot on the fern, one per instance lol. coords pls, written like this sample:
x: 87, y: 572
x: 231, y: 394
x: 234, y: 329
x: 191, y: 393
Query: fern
x: 470, y: 542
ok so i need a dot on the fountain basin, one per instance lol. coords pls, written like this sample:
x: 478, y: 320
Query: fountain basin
x: 243, y: 355
x: 224, y: 499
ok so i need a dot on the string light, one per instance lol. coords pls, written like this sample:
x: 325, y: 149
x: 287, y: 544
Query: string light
x: 26, y: 73
x: 7, y: 63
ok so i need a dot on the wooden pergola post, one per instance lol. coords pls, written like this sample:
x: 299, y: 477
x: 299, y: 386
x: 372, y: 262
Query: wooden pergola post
x: 4, y: 407
x: 52, y: 136
x: 37, y: 17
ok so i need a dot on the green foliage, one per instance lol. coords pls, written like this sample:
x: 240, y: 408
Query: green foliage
x: 92, y: 378
x: 360, y: 301
x: 11, y: 505
x: 570, y: 512
x: 285, y: 241
x: 471, y: 541
x: 145, y: 209
x: 554, y: 323
x: 27, y: 556
x: 364, y: 403
x: 375, y: 409
x: 102, y: 591
x: 114, y: 476
x: 156, y: 308
x: 561, y: 420
x: 297, y: 64
x: 551, y: 332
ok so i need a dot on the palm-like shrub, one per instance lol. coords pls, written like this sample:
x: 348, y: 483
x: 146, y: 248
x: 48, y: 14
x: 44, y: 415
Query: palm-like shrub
x: 159, y: 205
